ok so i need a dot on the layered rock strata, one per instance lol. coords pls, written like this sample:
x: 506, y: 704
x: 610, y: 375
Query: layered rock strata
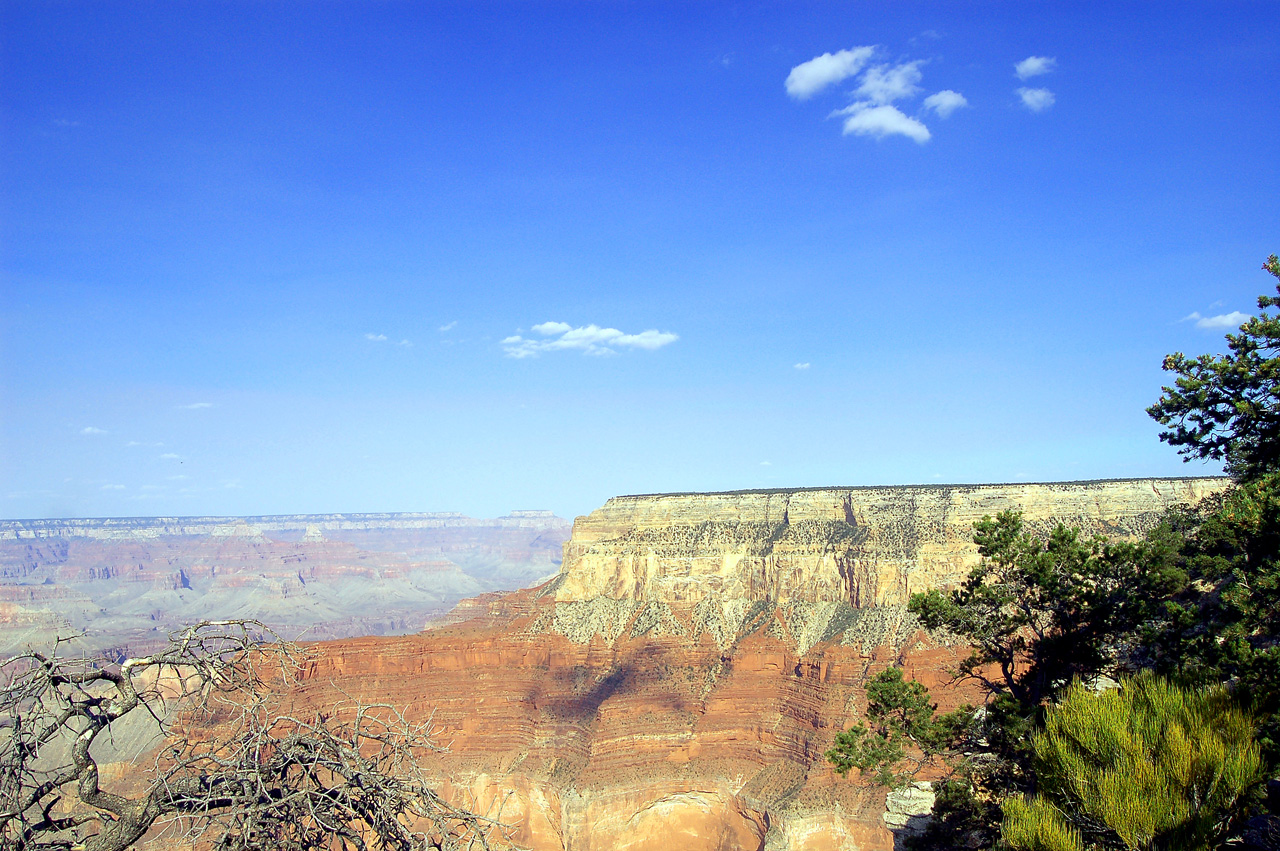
x: 869, y: 546
x: 677, y: 684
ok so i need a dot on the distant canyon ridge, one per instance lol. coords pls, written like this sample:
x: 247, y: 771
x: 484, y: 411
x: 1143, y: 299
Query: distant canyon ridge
x: 126, y: 582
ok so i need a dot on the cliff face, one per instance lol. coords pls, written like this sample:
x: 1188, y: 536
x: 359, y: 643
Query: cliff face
x: 677, y: 684
x: 634, y: 727
x: 861, y: 546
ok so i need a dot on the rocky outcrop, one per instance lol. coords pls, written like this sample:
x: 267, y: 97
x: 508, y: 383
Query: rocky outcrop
x: 677, y: 684
x: 610, y: 724
x: 862, y: 546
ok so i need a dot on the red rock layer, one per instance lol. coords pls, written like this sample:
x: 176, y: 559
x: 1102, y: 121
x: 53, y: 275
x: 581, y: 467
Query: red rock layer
x: 656, y: 741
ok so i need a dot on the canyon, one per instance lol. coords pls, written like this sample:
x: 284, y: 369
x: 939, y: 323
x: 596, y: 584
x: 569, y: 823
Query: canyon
x: 679, y: 680
x: 124, y: 583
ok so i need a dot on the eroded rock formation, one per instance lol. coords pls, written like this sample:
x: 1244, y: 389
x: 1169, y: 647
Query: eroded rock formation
x: 677, y: 684
x: 863, y: 546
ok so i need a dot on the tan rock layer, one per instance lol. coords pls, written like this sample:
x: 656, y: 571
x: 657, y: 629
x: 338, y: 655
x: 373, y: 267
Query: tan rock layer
x: 862, y: 546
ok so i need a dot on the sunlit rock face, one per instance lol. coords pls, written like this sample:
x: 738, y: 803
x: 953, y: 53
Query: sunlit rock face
x: 861, y: 546
x: 677, y: 684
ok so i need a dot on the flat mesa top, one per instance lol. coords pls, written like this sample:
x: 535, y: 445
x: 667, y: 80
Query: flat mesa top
x: 938, y: 486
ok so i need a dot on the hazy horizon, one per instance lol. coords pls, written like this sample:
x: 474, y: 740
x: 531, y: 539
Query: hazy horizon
x: 476, y: 257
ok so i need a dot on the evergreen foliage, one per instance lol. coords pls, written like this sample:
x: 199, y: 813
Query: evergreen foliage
x: 1227, y: 407
x: 1150, y: 765
x: 1039, y: 611
x: 900, y: 716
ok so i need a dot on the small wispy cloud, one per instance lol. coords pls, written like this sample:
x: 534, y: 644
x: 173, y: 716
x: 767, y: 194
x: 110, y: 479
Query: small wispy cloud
x: 196, y: 406
x: 170, y: 456
x: 449, y: 326
x: 93, y: 430
x: 1036, y: 100
x: 589, y: 339
x: 802, y: 366
x: 112, y: 487
x: 945, y: 102
x: 809, y: 78
x: 766, y: 463
x: 1234, y: 319
x: 377, y: 338
x: 405, y: 343
x: 1034, y: 66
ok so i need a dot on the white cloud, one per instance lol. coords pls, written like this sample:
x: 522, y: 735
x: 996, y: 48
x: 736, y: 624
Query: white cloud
x: 766, y: 463
x: 802, y: 366
x: 93, y: 430
x: 809, y: 78
x: 1034, y: 66
x: 589, y: 339
x: 377, y: 338
x: 880, y: 121
x: 170, y: 456
x: 450, y: 326
x: 195, y: 406
x: 1233, y: 319
x: 945, y: 102
x: 873, y: 111
x: 887, y: 83
x: 112, y: 487
x: 1036, y: 100
x: 405, y: 343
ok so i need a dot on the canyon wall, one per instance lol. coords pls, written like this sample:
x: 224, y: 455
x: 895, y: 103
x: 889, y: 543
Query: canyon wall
x: 866, y: 546
x: 126, y: 582
x: 677, y: 684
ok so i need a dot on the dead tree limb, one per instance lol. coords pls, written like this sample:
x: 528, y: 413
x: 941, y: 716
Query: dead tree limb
x: 241, y: 767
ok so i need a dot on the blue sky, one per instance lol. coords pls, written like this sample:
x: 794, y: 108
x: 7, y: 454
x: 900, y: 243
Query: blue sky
x: 309, y: 257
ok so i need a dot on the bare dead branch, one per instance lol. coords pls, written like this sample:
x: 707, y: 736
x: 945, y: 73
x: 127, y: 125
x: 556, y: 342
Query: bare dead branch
x: 242, y: 768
